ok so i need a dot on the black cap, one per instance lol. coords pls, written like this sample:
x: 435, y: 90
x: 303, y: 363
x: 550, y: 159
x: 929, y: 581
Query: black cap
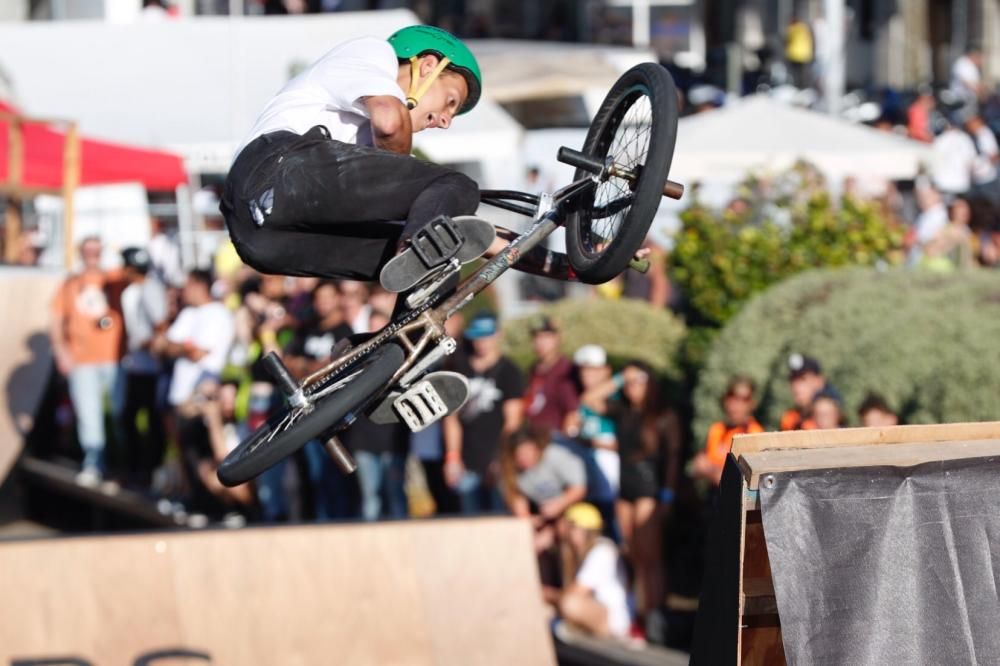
x: 544, y: 325
x: 137, y: 258
x: 799, y: 365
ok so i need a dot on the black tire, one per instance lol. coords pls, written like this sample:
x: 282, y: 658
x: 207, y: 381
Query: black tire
x: 255, y: 454
x: 601, y: 238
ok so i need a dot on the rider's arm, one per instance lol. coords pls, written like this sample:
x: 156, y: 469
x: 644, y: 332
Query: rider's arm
x: 392, y: 128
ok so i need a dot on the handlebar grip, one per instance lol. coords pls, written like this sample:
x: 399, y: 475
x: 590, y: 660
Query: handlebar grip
x: 673, y: 190
x: 579, y: 160
x: 640, y: 265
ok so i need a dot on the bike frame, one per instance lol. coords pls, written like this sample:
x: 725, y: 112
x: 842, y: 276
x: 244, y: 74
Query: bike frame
x: 547, y: 215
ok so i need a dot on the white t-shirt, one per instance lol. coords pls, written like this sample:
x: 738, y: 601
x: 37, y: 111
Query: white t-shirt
x: 983, y: 169
x: 144, y: 307
x: 209, y: 327
x: 952, y: 157
x: 603, y: 572
x: 330, y: 91
x: 930, y: 223
x: 964, y: 78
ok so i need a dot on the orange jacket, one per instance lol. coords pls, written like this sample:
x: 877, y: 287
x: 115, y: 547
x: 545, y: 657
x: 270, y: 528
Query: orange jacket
x: 792, y: 420
x: 720, y: 439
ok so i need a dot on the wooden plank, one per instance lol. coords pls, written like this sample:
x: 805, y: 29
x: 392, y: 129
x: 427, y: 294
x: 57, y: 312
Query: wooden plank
x: 824, y: 439
x: 754, y: 465
x: 762, y: 646
x: 12, y: 231
x: 443, y: 592
x: 758, y: 597
x: 26, y: 358
x: 72, y: 166
x: 755, y: 561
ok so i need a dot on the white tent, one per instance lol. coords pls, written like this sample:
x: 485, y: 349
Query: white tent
x: 195, y: 86
x: 759, y: 133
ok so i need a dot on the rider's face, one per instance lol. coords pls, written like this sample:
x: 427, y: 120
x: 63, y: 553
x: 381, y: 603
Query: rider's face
x: 442, y: 101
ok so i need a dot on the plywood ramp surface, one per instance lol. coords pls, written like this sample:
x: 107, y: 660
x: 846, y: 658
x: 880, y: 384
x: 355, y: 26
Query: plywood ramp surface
x: 841, y: 437
x: 461, y: 592
x: 25, y: 354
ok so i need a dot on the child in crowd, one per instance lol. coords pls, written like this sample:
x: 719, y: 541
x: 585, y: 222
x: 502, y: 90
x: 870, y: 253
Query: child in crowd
x: 826, y: 412
x: 595, y: 601
x: 875, y: 412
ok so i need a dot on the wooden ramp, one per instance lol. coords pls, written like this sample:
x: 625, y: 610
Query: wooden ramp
x: 461, y: 592
x: 740, y: 619
x: 25, y: 353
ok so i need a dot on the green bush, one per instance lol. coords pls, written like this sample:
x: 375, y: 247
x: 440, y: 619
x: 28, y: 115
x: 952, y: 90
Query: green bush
x: 627, y: 329
x: 929, y: 343
x: 722, y: 259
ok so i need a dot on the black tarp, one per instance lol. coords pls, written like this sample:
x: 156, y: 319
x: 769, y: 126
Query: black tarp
x: 887, y: 565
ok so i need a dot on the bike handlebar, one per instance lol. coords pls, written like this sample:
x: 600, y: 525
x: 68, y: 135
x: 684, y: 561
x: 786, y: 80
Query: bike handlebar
x: 581, y: 160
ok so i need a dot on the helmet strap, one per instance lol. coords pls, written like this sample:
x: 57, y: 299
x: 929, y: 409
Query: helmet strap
x: 418, y: 87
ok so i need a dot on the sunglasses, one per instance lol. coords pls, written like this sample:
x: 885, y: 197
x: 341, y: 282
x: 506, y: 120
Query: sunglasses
x: 743, y: 397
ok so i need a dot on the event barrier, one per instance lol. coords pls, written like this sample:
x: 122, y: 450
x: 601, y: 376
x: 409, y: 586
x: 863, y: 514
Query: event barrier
x: 25, y: 354
x: 863, y: 545
x: 459, y: 591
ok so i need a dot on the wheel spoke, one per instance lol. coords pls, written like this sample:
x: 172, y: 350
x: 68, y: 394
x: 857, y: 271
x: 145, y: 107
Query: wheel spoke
x: 630, y: 127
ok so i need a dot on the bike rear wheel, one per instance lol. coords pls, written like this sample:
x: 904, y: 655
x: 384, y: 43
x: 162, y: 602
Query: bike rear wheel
x: 290, y: 429
x: 636, y: 127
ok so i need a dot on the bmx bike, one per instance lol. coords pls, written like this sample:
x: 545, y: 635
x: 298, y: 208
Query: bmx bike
x: 621, y: 176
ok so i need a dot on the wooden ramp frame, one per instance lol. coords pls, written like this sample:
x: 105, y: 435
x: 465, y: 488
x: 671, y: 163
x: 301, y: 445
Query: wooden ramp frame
x: 758, y: 638
x: 461, y: 592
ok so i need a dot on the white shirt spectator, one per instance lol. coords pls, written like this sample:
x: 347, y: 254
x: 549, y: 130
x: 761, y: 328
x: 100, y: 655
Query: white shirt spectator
x: 209, y: 327
x: 330, y: 93
x: 165, y: 257
x: 965, y: 78
x: 930, y: 222
x: 984, y: 169
x: 361, y: 323
x: 952, y: 157
x: 144, y: 307
x: 603, y: 572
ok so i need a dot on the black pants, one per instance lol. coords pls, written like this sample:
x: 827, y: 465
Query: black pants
x: 143, y: 454
x: 309, y: 205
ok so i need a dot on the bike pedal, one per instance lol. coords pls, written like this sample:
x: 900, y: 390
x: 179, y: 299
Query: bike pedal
x: 438, y: 242
x: 420, y: 406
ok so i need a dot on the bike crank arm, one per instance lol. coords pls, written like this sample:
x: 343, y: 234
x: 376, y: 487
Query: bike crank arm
x: 604, y: 170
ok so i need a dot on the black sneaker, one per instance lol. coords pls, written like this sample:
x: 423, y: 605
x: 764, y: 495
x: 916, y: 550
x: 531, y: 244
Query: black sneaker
x: 450, y: 388
x: 463, y: 238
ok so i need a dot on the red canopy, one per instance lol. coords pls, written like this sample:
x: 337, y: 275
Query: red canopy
x: 100, y: 162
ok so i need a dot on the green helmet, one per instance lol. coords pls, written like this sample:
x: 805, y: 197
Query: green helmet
x: 417, y: 40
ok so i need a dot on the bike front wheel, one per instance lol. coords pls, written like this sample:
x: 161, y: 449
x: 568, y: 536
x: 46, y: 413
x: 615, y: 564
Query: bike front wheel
x: 634, y: 130
x: 334, y: 401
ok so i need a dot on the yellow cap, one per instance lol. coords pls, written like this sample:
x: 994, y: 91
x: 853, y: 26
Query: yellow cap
x: 585, y: 515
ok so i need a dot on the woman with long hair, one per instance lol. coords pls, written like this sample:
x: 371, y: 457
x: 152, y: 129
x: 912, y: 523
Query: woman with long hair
x: 649, y: 445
